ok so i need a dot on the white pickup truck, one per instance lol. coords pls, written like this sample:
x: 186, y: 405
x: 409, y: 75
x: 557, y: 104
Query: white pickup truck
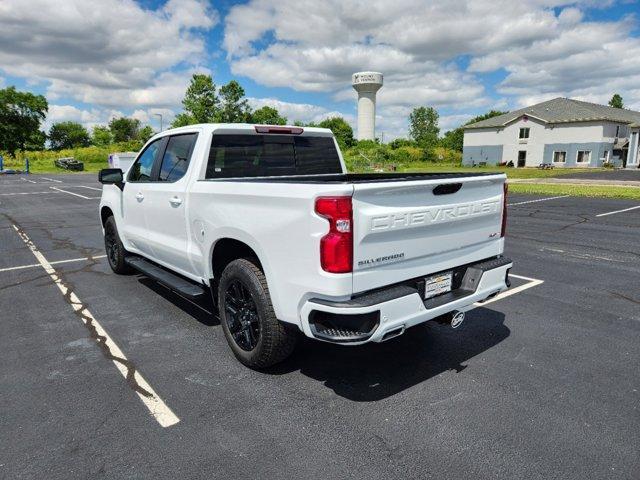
x: 268, y: 221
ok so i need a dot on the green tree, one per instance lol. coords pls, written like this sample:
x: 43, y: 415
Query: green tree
x: 200, y: 100
x: 423, y: 126
x: 182, y: 120
x: 453, y: 139
x: 145, y: 133
x: 68, y: 135
x: 124, y: 129
x: 616, y: 101
x: 234, y: 107
x: 401, y: 142
x: 341, y: 129
x: 268, y: 116
x: 36, y: 141
x: 20, y: 116
x: 101, y: 136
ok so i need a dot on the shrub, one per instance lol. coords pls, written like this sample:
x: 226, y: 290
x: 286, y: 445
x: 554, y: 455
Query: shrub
x: 401, y: 142
x: 446, y: 155
x: 408, y: 154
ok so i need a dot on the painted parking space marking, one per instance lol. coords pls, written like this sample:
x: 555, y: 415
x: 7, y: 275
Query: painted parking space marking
x: 618, y: 211
x: 72, y: 193
x: 57, y: 262
x: 156, y: 406
x: 537, y: 200
x: 90, y: 188
x: 24, y: 193
x: 27, y: 180
x: 531, y: 282
x: 52, y: 180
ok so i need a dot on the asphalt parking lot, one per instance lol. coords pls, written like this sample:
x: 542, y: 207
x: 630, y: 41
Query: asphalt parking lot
x: 542, y: 383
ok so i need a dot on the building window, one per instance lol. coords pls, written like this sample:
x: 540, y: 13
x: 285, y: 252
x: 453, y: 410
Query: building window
x: 524, y: 133
x: 584, y: 156
x: 559, y: 157
x: 617, y: 131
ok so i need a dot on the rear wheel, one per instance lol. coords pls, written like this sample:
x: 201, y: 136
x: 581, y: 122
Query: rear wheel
x: 256, y: 337
x: 114, y: 248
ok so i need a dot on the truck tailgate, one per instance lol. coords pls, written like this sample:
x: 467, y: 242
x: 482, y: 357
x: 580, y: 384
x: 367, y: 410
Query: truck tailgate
x: 403, y: 230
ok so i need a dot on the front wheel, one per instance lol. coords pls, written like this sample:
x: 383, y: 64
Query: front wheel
x: 114, y: 248
x: 256, y: 337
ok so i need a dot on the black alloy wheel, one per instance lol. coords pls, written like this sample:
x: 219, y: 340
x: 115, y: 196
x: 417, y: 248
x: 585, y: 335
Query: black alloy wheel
x: 111, y: 245
x: 242, y: 316
x: 114, y: 248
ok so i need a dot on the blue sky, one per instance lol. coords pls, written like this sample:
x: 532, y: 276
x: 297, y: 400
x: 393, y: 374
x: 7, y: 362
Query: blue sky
x: 95, y: 59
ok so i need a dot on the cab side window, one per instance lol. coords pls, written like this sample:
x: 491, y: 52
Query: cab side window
x: 175, y: 160
x: 141, y: 169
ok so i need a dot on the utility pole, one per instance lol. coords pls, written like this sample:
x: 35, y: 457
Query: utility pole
x: 159, y: 115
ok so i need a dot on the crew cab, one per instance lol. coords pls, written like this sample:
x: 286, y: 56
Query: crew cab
x: 268, y: 221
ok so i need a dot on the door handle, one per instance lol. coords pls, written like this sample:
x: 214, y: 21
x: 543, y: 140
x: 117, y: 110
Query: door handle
x: 139, y: 197
x: 175, y: 201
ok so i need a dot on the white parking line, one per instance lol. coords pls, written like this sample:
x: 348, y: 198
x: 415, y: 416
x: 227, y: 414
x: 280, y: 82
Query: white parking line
x: 24, y: 193
x: 25, y: 180
x: 618, y: 211
x: 538, y: 200
x: 57, y: 262
x: 532, y: 282
x: 52, y: 180
x: 158, y: 409
x: 71, y: 193
x: 90, y: 188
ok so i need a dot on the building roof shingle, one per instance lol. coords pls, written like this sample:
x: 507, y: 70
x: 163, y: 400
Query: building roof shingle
x: 562, y: 110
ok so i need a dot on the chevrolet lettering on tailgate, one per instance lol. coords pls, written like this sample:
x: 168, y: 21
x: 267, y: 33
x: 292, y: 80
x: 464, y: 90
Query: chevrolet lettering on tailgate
x: 434, y: 215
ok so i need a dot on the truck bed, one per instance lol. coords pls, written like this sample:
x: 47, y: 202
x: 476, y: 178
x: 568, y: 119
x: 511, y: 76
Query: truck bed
x: 346, y: 178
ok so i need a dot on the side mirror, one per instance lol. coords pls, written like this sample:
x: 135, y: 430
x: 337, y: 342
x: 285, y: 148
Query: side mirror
x: 111, y: 176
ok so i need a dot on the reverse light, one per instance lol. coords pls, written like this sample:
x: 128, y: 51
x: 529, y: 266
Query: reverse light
x: 503, y: 230
x: 336, y: 247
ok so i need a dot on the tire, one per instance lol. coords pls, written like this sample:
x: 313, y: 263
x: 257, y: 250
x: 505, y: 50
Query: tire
x: 256, y: 337
x: 114, y: 248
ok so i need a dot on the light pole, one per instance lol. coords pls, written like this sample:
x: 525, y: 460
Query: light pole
x: 159, y: 115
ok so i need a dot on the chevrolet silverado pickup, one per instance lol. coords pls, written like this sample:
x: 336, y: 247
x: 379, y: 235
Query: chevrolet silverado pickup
x: 268, y: 221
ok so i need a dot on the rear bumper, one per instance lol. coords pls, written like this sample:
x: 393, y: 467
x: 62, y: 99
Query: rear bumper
x: 376, y: 316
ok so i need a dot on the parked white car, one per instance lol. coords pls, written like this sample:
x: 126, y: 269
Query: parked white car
x: 268, y: 220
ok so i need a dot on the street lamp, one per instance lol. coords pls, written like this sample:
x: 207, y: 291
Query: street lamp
x: 159, y: 115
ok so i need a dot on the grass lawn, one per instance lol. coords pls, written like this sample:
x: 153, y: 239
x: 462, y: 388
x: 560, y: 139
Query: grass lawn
x: 510, y: 172
x: 630, y: 193
x: 42, y: 167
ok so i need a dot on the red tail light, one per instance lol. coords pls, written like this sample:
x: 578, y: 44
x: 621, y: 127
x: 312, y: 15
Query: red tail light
x: 336, y: 247
x: 503, y: 231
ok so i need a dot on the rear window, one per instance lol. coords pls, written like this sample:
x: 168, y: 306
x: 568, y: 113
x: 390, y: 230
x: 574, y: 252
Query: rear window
x: 271, y: 155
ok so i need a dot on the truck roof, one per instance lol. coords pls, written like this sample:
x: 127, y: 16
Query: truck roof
x: 247, y: 128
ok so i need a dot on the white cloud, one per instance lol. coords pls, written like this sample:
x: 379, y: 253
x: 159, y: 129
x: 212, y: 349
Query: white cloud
x: 105, y: 52
x: 303, y: 112
x: 546, y: 48
x: 115, y: 55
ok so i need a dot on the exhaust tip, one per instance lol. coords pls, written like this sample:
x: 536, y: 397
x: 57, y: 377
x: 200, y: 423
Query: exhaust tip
x: 393, y: 333
x: 457, y: 319
x: 453, y: 319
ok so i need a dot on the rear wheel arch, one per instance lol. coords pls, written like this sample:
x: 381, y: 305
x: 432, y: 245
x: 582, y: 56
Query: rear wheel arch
x: 227, y: 250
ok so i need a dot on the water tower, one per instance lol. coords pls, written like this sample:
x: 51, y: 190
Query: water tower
x: 367, y: 85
